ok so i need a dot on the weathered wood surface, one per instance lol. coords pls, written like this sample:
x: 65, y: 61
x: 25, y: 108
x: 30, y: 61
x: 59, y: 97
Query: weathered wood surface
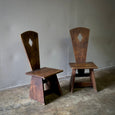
x: 37, y: 90
x: 87, y: 65
x: 40, y: 76
x: 44, y: 72
x: 80, y: 46
x: 80, y: 37
x: 30, y: 42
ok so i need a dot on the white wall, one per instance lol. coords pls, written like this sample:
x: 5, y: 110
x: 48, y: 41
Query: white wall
x: 52, y: 19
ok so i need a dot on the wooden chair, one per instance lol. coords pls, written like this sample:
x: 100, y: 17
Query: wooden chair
x: 41, y: 77
x: 79, y: 37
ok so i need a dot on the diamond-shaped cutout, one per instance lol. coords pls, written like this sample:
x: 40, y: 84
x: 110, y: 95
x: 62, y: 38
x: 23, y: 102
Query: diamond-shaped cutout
x: 80, y: 37
x: 30, y: 42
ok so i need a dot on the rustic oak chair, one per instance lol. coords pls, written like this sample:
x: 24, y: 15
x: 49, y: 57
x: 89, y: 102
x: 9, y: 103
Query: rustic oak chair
x: 44, y: 80
x: 79, y: 37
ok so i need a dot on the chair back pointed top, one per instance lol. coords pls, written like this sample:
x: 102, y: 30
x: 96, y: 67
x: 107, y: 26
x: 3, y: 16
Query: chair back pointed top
x: 80, y: 38
x: 30, y: 42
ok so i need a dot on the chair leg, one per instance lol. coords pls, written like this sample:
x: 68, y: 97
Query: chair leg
x: 92, y: 76
x: 37, y: 89
x: 54, y: 85
x: 72, y: 80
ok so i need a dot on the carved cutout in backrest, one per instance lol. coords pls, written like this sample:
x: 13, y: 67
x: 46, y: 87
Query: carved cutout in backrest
x: 30, y: 42
x: 80, y: 38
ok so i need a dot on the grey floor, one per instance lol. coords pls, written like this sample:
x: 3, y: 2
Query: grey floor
x: 84, y: 101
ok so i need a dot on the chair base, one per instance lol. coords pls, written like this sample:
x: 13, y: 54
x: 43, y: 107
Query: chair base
x: 92, y: 82
x: 37, y: 91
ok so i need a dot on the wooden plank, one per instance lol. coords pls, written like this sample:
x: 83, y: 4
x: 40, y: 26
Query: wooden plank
x: 37, y: 90
x: 72, y: 80
x: 83, y: 75
x: 44, y: 72
x: 80, y: 46
x: 83, y: 84
x: 92, y: 75
x: 86, y: 65
x: 30, y: 42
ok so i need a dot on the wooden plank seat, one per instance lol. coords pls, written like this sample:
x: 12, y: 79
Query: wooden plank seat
x: 86, y: 65
x: 44, y: 72
x: 44, y: 80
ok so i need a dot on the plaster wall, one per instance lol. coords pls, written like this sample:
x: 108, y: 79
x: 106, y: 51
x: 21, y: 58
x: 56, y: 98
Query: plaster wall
x: 50, y: 18
x: 53, y: 19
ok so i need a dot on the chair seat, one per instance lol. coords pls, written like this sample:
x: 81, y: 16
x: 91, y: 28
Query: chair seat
x: 44, y: 72
x: 87, y: 65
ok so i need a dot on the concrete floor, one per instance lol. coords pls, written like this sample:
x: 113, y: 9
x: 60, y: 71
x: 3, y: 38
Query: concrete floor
x: 84, y: 101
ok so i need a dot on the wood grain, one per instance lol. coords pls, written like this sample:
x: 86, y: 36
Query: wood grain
x: 44, y: 72
x: 40, y: 76
x: 31, y: 51
x: 72, y: 80
x: 80, y: 52
x: 37, y: 90
x: 80, y: 47
x: 87, y: 65
x: 92, y: 76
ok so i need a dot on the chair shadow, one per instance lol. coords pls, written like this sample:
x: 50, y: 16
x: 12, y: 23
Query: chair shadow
x: 53, y: 97
x: 50, y: 98
x: 105, y: 79
x: 66, y: 88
